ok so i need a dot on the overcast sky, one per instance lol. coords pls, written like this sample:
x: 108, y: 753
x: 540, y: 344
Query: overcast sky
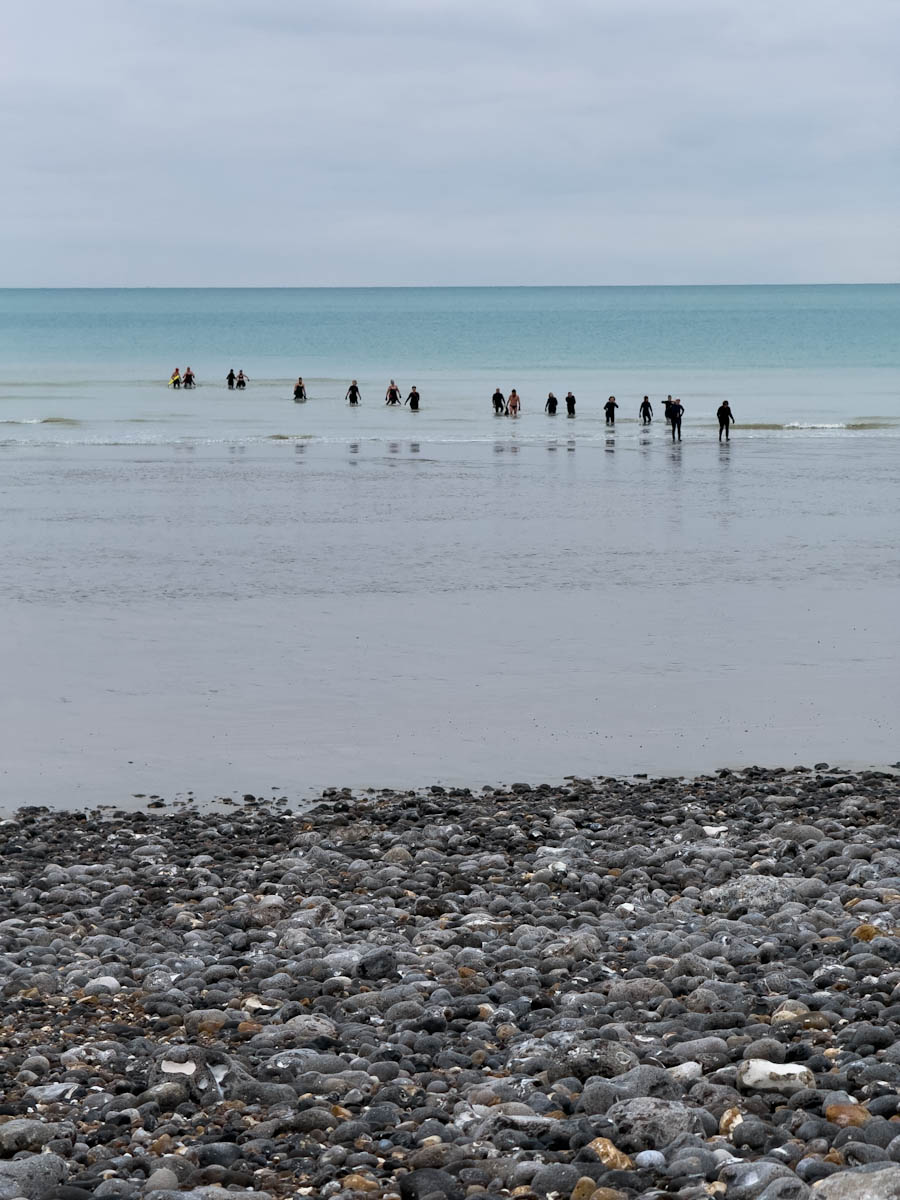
x: 295, y: 142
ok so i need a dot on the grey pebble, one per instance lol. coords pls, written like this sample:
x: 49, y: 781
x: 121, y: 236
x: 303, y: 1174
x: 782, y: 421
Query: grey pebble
x: 438, y: 991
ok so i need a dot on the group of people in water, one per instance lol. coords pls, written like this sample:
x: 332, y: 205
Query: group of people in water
x: 506, y: 406
x: 177, y: 380
x: 238, y: 381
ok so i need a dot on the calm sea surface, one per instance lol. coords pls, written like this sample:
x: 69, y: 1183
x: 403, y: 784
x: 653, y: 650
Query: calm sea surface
x: 229, y: 592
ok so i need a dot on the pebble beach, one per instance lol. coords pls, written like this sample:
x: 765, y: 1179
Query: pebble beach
x: 609, y: 990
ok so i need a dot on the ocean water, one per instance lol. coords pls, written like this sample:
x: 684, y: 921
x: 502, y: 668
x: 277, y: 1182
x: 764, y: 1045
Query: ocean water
x: 227, y: 592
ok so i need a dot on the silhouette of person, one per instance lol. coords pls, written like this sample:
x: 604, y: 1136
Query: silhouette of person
x: 676, y: 412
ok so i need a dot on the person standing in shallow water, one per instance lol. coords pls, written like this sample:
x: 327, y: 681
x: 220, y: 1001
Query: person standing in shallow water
x: 513, y: 404
x: 175, y: 380
x: 413, y: 399
x: 676, y: 412
x: 300, y: 389
x: 550, y: 406
x: 726, y: 419
x: 499, y: 402
x: 230, y: 378
x: 668, y: 409
x: 570, y: 405
x: 645, y: 412
x: 392, y: 395
x: 353, y: 393
x: 610, y: 409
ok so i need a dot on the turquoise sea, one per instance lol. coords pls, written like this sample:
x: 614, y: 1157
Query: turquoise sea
x: 229, y: 592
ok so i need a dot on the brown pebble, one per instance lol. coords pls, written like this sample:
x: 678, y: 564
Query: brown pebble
x: 359, y: 1183
x: 847, y: 1114
x: 584, y: 1188
x: 865, y: 933
x: 610, y: 1155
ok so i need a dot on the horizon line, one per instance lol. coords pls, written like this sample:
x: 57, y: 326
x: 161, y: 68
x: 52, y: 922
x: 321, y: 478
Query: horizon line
x: 361, y: 287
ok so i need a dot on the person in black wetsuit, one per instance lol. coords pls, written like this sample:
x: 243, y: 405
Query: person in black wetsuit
x: 353, y: 393
x: 570, y: 405
x: 300, y: 389
x: 726, y: 419
x: 676, y: 412
x: 499, y: 402
x: 230, y: 378
x: 550, y: 406
x: 646, y: 411
x: 392, y: 395
x: 667, y: 408
x: 413, y: 399
x: 610, y: 409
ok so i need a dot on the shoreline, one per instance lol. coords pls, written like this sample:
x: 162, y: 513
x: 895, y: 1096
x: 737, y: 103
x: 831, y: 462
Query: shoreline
x: 293, y: 802
x: 650, y: 987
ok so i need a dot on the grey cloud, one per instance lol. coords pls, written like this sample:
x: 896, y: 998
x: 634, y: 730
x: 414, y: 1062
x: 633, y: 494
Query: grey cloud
x: 225, y: 141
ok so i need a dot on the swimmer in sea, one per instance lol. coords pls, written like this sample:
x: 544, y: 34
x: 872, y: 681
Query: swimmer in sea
x: 676, y: 412
x: 668, y: 408
x: 645, y: 412
x: 610, y: 409
x: 392, y: 395
x: 570, y: 405
x: 499, y: 402
x: 188, y: 379
x: 413, y: 399
x: 241, y: 381
x: 513, y: 404
x: 230, y: 378
x: 175, y: 381
x: 353, y: 394
x: 300, y: 389
x: 726, y: 419
x: 550, y: 406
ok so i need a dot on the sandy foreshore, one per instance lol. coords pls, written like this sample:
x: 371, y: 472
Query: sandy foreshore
x: 614, y: 989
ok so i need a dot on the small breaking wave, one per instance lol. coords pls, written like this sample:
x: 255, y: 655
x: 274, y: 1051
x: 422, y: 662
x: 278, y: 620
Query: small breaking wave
x: 867, y: 423
x: 42, y: 421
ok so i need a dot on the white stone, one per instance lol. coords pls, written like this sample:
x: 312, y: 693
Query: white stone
x: 686, y: 1072
x: 758, y: 1074
x: 176, y: 1068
